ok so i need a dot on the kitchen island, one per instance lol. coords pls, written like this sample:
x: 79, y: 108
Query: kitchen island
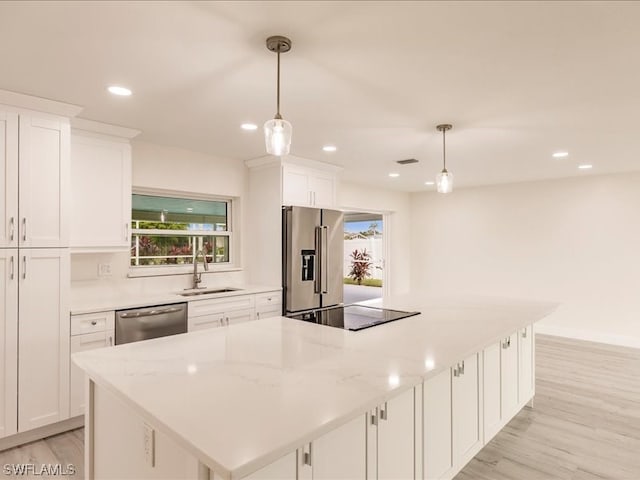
x: 282, y: 398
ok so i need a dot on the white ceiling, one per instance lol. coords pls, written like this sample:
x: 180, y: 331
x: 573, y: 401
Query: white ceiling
x: 518, y: 80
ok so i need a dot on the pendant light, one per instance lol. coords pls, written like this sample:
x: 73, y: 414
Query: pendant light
x: 277, y: 132
x: 444, y: 180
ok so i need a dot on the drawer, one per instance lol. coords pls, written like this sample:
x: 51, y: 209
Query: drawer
x: 198, y: 308
x: 266, y: 312
x: 269, y: 299
x: 92, y: 322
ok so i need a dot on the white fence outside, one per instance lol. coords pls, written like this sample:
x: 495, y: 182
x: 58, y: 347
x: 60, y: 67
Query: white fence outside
x: 373, y: 247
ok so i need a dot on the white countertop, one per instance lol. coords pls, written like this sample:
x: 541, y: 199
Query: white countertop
x: 102, y: 298
x: 269, y: 386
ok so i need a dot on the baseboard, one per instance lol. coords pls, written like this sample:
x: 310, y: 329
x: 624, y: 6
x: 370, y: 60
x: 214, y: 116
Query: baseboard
x: 42, y: 432
x: 589, y: 335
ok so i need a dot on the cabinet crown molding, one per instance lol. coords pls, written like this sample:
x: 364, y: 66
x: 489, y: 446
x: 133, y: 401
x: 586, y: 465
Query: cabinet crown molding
x: 91, y: 126
x: 294, y: 161
x: 20, y: 100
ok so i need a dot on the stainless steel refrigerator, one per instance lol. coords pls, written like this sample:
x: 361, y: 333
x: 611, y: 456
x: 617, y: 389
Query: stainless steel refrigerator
x: 313, y: 256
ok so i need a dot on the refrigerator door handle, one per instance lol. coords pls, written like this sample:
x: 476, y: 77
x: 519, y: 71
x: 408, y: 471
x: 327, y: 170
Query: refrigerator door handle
x: 324, y: 260
x: 317, y: 280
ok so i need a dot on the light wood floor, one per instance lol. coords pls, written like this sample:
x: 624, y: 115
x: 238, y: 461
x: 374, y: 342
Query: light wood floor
x: 585, y: 424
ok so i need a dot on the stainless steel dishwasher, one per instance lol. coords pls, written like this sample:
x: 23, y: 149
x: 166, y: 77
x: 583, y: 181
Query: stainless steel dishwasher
x: 137, y: 324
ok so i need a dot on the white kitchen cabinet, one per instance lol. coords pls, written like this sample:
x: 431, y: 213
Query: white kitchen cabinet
x: 500, y: 385
x: 282, y: 469
x: 8, y: 179
x: 339, y: 454
x: 43, y: 182
x: 492, y: 391
x: 526, y: 353
x: 88, y: 331
x: 101, y: 192
x: 308, y: 187
x: 394, y: 430
x: 8, y: 341
x: 509, y: 377
x: 268, y: 304
x: 43, y: 332
x: 219, y: 312
x: 438, y: 457
x: 466, y: 419
x: 82, y: 343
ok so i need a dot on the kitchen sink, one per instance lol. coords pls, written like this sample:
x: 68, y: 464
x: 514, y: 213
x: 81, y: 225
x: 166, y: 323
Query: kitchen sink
x: 207, y: 291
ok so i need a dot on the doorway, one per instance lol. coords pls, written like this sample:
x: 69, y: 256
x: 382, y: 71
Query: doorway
x: 363, y: 256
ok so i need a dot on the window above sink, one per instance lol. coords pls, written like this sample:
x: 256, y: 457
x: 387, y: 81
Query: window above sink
x: 169, y: 229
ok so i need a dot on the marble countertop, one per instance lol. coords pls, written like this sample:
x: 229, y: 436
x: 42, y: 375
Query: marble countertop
x: 116, y: 297
x: 272, y: 385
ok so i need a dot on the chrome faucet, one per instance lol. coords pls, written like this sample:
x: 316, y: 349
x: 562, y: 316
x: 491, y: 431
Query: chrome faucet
x: 197, y: 277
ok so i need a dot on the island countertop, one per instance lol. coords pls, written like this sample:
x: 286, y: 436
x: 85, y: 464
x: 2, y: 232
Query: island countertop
x: 240, y: 397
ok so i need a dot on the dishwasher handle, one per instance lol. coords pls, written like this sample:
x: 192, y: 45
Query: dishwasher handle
x: 149, y: 313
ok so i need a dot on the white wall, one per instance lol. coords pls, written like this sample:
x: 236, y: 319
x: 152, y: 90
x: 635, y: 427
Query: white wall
x: 397, y: 204
x: 575, y: 241
x: 161, y: 167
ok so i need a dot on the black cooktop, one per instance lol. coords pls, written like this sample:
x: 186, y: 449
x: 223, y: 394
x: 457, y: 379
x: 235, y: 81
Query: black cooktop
x: 353, y: 317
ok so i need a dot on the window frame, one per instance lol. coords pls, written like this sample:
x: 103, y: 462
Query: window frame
x: 231, y: 233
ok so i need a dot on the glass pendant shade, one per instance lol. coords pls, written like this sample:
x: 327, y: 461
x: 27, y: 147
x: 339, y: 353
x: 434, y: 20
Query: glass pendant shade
x: 444, y: 182
x: 277, y: 136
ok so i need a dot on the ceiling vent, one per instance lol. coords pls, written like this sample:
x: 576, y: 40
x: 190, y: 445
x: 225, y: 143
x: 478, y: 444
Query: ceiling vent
x: 408, y: 161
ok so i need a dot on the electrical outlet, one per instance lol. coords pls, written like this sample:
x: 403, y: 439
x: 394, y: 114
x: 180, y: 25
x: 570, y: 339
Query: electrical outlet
x: 149, y: 446
x: 104, y: 270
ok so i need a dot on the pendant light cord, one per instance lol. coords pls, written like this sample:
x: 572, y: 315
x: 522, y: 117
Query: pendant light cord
x: 444, y: 151
x: 278, y: 87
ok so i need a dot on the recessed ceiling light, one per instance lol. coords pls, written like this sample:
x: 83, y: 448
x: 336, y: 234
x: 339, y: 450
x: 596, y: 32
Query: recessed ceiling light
x: 249, y: 126
x: 560, y: 154
x: 121, y: 91
x: 585, y: 167
x: 394, y: 175
x: 429, y: 183
x: 329, y: 148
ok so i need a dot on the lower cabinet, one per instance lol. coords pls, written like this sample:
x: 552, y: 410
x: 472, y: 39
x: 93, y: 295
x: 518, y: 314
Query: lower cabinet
x: 393, y: 426
x: 8, y: 341
x: 437, y: 455
x: 339, y: 454
x: 466, y: 417
x: 82, y: 343
x: 43, y: 333
x: 282, y: 469
x: 526, y: 364
x: 452, y: 418
x: 508, y: 379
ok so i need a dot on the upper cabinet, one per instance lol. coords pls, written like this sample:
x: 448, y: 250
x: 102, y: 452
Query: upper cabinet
x: 100, y: 186
x: 8, y: 179
x: 308, y: 187
x: 101, y: 192
x: 34, y: 164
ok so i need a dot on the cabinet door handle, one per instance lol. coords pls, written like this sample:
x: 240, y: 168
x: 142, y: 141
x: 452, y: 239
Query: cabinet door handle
x: 462, y: 368
x: 126, y: 231
x: 505, y: 345
x: 374, y: 419
x: 24, y: 229
x: 524, y: 333
x: 456, y: 372
x: 94, y: 322
x: 12, y: 274
x: 307, y: 459
x: 24, y: 267
x: 384, y: 412
x: 111, y: 340
x: 12, y: 228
